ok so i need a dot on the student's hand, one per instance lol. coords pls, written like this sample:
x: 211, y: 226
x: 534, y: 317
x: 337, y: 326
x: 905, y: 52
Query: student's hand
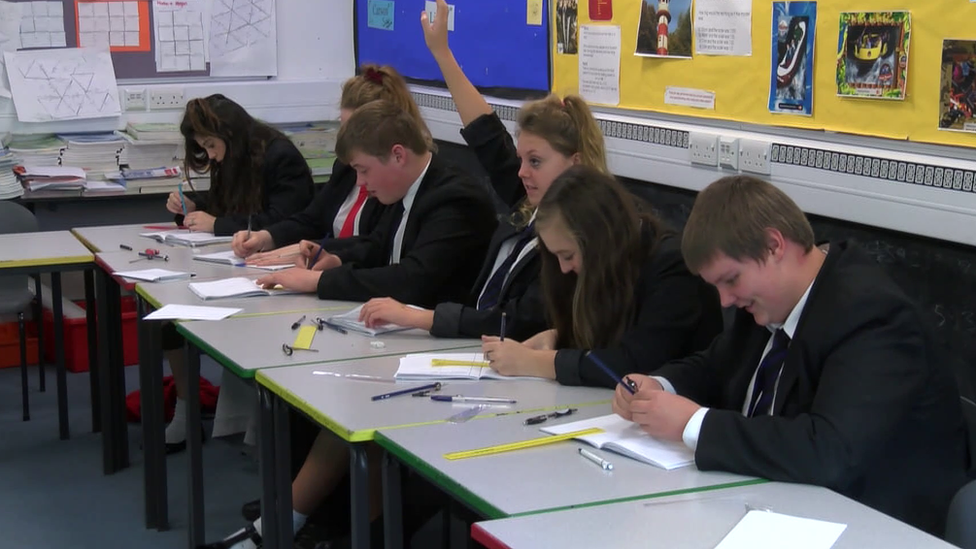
x: 278, y: 256
x: 661, y: 414
x: 385, y: 310
x: 200, y: 222
x: 302, y: 280
x: 435, y: 34
x: 309, y: 250
x: 542, y: 341
x: 246, y: 247
x: 173, y: 204
x: 622, y: 398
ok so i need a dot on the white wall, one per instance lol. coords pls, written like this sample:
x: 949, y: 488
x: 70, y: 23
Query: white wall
x: 315, y: 55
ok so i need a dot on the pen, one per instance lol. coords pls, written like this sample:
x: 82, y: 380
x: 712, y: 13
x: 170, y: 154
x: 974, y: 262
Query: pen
x: 308, y: 264
x: 385, y: 396
x: 124, y: 247
x: 604, y: 464
x: 629, y: 384
x: 322, y: 323
x: 179, y: 189
x: 501, y: 330
x: 248, y: 227
x: 297, y: 323
x: 462, y: 398
x: 447, y: 362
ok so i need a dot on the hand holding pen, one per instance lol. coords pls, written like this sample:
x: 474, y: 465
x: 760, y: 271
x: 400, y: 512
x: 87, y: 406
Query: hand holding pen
x: 314, y: 257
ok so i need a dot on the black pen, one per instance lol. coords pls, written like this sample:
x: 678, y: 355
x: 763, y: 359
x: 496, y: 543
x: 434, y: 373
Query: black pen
x: 124, y: 247
x: 384, y: 396
x: 501, y: 330
x: 627, y: 383
x: 325, y: 323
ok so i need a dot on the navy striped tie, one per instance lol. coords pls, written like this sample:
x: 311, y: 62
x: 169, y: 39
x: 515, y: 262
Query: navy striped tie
x: 493, y: 289
x: 766, y: 377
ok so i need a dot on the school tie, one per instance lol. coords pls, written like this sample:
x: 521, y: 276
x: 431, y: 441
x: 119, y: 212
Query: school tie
x: 349, y: 224
x: 489, y: 297
x: 768, y: 374
x: 396, y: 242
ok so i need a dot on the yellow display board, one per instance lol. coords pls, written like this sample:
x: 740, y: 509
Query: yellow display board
x: 741, y: 84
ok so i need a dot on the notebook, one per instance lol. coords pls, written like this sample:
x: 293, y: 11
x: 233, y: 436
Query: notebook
x: 626, y: 438
x: 184, y: 237
x: 230, y: 258
x: 350, y: 321
x: 153, y: 275
x: 769, y: 530
x: 473, y: 366
x: 233, y: 287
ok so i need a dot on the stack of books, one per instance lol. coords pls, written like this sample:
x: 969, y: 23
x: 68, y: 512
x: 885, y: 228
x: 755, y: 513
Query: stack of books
x: 37, y: 149
x: 52, y: 178
x: 146, y: 149
x: 9, y: 187
x: 147, y: 131
x: 316, y: 141
x: 96, y: 153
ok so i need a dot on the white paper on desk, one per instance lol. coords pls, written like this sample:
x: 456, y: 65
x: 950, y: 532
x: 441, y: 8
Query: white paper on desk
x: 154, y: 275
x: 599, y: 64
x: 63, y: 84
x: 191, y: 312
x: 767, y: 530
x: 230, y: 258
x: 723, y: 27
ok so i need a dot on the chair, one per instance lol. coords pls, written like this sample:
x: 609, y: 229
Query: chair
x: 15, y: 297
x: 960, y: 526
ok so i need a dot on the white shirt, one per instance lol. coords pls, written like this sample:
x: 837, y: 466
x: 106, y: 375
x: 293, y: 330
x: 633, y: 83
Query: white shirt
x: 407, y: 204
x: 693, y: 427
x: 506, y: 248
x: 343, y: 213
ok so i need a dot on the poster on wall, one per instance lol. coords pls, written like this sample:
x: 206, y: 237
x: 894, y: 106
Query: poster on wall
x: 665, y: 29
x: 567, y: 31
x: 872, y: 54
x: 791, y: 68
x: 957, y: 96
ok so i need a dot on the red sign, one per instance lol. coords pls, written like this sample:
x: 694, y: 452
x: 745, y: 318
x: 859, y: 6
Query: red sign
x: 601, y: 10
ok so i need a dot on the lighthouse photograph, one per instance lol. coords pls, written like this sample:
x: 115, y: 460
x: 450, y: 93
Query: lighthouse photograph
x: 664, y: 29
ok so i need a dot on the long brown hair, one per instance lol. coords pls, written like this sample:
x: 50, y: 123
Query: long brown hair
x: 615, y: 232
x: 236, y: 183
x: 376, y: 82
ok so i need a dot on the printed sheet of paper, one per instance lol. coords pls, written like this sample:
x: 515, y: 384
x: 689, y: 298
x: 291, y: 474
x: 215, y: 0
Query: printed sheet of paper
x: 42, y: 25
x: 768, y: 530
x: 120, y: 25
x: 243, y: 38
x: 723, y: 27
x: 181, y: 39
x: 599, y: 64
x: 63, y: 84
x: 191, y: 312
x: 9, y: 38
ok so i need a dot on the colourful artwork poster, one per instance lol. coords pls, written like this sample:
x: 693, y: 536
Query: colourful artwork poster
x: 664, y: 29
x: 791, y: 71
x: 957, y: 99
x: 872, y: 54
x: 567, y: 29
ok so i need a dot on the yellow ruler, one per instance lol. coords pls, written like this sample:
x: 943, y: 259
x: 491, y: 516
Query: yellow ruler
x: 439, y: 362
x: 531, y: 443
x: 304, y: 338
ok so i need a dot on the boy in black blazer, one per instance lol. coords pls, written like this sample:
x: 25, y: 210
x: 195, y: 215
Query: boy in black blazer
x: 827, y: 375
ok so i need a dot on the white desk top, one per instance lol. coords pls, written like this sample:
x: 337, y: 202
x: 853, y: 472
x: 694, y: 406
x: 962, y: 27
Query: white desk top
x: 344, y: 405
x: 699, y: 520
x: 41, y: 248
x: 178, y: 292
x: 107, y: 238
x: 543, y: 478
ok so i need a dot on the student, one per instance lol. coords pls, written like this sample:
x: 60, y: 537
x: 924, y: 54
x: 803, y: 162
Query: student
x: 614, y: 284
x: 422, y: 251
x: 257, y: 176
x: 827, y: 375
x: 426, y: 247
x: 341, y: 208
x: 554, y: 134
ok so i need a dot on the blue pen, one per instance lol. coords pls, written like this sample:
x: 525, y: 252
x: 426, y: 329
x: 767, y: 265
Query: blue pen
x: 431, y: 386
x: 501, y: 330
x: 315, y: 259
x: 179, y: 189
x: 629, y: 384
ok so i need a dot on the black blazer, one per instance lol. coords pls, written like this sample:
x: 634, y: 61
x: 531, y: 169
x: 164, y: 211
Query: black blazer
x: 447, y: 232
x: 676, y: 315
x: 316, y: 220
x: 520, y: 297
x: 865, y: 404
x: 287, y: 188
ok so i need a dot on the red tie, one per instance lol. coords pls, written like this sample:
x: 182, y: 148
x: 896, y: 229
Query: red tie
x: 350, y: 222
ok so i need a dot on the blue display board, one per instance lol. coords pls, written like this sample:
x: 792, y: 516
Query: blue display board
x: 491, y: 41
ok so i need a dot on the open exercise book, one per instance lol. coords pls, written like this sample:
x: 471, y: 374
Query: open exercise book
x: 350, y: 321
x: 184, y: 237
x: 626, y: 438
x: 230, y: 258
x: 233, y: 287
x: 154, y: 275
x: 448, y: 366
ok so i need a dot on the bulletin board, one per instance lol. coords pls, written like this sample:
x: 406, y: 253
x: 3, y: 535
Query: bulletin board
x: 491, y: 40
x: 742, y: 84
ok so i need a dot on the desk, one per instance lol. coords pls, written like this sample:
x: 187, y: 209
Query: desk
x: 108, y: 238
x: 538, y: 479
x: 343, y: 406
x: 699, y: 520
x: 55, y: 252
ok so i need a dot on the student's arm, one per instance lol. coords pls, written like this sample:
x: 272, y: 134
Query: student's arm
x: 525, y: 316
x: 491, y: 143
x: 315, y: 222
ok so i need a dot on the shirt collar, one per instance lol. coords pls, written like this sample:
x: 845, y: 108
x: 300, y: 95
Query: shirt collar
x: 794, y: 317
x: 412, y: 191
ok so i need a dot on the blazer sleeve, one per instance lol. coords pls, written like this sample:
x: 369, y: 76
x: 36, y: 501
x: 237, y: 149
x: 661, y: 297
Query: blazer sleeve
x: 668, y: 319
x: 287, y: 189
x: 524, y: 317
x: 491, y: 143
x: 311, y: 223
x: 869, y: 383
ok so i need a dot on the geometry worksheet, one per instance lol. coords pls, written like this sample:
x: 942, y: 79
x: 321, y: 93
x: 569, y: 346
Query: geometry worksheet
x: 63, y: 84
x: 118, y: 25
x: 243, y: 38
x: 42, y: 25
x: 180, y: 36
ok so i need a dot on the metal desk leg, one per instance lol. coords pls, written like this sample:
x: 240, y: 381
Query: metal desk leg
x: 197, y: 530
x: 359, y: 482
x: 282, y: 445
x: 153, y: 438
x: 92, y: 331
x: 266, y: 458
x: 63, y: 428
x: 392, y: 503
x: 111, y: 375
x: 39, y: 319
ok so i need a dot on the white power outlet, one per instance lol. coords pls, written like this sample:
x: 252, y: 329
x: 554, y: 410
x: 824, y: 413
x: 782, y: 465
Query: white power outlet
x: 704, y: 148
x: 728, y: 152
x: 134, y: 99
x: 754, y: 156
x: 166, y: 98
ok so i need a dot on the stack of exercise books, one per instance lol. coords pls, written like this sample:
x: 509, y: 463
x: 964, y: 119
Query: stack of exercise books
x: 316, y: 141
x: 150, y: 146
x: 51, y: 178
x: 183, y: 237
x: 9, y: 186
x: 96, y: 153
x: 152, y: 131
x: 37, y: 149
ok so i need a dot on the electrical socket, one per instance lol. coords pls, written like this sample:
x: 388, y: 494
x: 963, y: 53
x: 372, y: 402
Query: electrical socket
x: 166, y: 98
x: 134, y: 99
x: 703, y: 148
x: 754, y: 156
x: 728, y: 152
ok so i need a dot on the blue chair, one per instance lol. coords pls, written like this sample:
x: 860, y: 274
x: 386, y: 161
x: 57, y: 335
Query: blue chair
x: 15, y: 297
